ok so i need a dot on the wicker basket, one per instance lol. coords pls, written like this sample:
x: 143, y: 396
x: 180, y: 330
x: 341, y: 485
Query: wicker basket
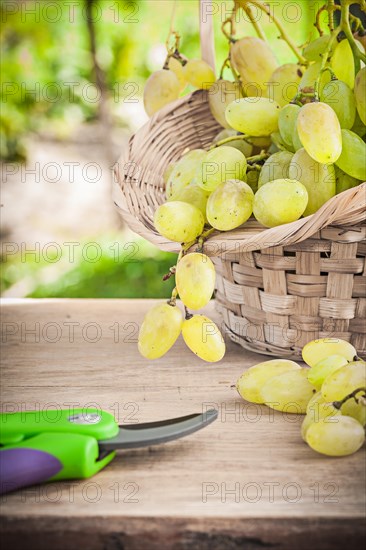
x: 277, y: 288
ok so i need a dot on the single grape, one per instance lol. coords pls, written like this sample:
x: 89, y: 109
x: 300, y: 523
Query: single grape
x: 320, y: 132
x: 326, y: 366
x: 255, y: 62
x: 342, y: 62
x: 283, y: 84
x: 287, y: 124
x: 352, y: 158
x: 317, y: 412
x: 184, y: 171
x: 262, y: 142
x: 317, y: 350
x: 354, y: 409
x: 296, y: 141
x: 360, y: 94
x: 253, y: 116
x: 311, y: 75
x: 240, y: 144
x: 221, y: 164
x: 344, y: 181
x: 315, y: 50
x: 161, y: 88
x: 220, y: 95
x: 177, y: 68
x: 359, y: 127
x: 277, y: 144
x: 251, y: 178
x: 280, y: 201
x: 319, y: 179
x: 288, y: 392
x: 252, y: 380
x: 204, y: 338
x: 159, y: 330
x: 195, y: 280
x: 315, y: 401
x: 199, y: 73
x: 339, y: 96
x: 230, y: 205
x: 276, y: 167
x: 344, y: 381
x: 179, y: 221
x: 335, y: 436
x: 193, y: 194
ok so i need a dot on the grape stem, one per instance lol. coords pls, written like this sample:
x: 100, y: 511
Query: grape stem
x: 353, y: 395
x: 333, y: 38
x: 283, y: 34
x: 173, y: 299
x: 188, y: 315
x: 256, y: 25
x: 257, y: 158
x: 331, y: 7
x: 244, y: 137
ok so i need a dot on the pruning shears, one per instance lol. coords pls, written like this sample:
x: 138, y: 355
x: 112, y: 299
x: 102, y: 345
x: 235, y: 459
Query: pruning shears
x: 78, y: 445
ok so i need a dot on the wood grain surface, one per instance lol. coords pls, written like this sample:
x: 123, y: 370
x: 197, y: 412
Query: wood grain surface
x: 246, y: 481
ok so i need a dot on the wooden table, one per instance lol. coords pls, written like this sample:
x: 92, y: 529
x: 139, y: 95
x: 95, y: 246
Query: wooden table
x: 247, y: 481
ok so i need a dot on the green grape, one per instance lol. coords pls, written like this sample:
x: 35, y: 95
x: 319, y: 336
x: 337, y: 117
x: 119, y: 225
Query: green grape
x: 276, y: 167
x: 314, y: 401
x: 280, y: 201
x: 320, y: 132
x: 341, y: 99
x: 352, y: 158
x: 342, y: 62
x: 255, y: 116
x: 179, y: 221
x: 177, y: 68
x: 335, y: 436
x: 220, y: 95
x: 195, y: 280
x: 283, y: 84
x: 184, y: 171
x: 360, y: 94
x: 230, y: 205
x: 199, y: 73
x: 161, y: 88
x: 240, y: 144
x: 297, y: 143
x: 204, y: 338
x: 310, y: 76
x: 193, y: 194
x: 221, y: 164
x: 277, y: 144
x: 326, y: 366
x: 356, y: 410
x: 167, y: 172
x: 344, y: 381
x: 317, y: 350
x: 315, y: 50
x: 317, y: 412
x: 359, y: 128
x: 287, y: 123
x: 319, y: 179
x: 262, y: 142
x: 255, y: 62
x: 159, y: 330
x: 251, y: 178
x: 344, y: 181
x: 289, y: 392
x: 252, y: 380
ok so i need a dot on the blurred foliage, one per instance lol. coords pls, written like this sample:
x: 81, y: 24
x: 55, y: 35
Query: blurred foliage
x: 104, y: 269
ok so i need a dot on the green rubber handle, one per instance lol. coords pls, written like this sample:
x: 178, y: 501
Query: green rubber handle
x: 20, y: 426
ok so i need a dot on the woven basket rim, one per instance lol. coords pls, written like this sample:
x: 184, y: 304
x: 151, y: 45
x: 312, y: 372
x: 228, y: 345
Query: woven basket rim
x: 346, y: 209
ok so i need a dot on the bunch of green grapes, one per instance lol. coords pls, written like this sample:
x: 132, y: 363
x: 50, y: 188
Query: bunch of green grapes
x: 331, y: 394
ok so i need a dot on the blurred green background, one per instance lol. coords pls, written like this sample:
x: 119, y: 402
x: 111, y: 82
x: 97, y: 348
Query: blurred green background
x: 72, y: 82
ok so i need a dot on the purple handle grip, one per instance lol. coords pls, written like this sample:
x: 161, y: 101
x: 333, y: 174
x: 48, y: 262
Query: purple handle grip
x: 22, y: 467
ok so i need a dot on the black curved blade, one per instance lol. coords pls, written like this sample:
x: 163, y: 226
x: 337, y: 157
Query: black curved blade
x: 153, y: 433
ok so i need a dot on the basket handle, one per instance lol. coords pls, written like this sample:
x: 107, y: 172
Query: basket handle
x: 207, y: 32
